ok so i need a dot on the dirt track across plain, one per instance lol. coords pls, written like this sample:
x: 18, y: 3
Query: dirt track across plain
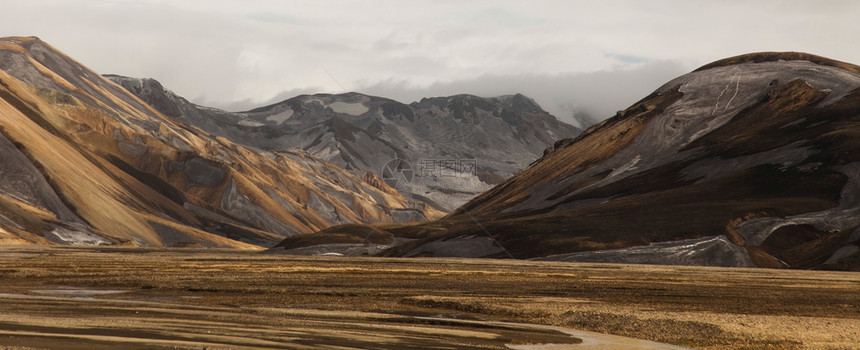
x: 101, y: 298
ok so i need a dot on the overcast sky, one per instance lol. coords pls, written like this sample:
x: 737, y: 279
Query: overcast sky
x: 594, y: 56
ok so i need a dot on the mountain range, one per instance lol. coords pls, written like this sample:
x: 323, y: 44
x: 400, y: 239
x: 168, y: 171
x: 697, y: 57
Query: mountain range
x: 748, y: 161
x: 90, y: 159
x: 83, y: 161
x: 442, y: 151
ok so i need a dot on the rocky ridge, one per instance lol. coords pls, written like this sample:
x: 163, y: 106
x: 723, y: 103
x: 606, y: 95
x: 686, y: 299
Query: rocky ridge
x: 86, y: 162
x: 749, y: 161
x: 448, y: 149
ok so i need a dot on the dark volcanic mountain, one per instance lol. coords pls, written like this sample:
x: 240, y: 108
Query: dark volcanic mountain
x: 445, y: 150
x: 748, y: 161
x: 83, y: 161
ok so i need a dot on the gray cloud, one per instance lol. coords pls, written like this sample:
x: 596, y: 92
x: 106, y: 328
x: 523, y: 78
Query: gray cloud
x: 249, y: 104
x: 599, y: 94
x: 596, y: 94
x: 595, y: 56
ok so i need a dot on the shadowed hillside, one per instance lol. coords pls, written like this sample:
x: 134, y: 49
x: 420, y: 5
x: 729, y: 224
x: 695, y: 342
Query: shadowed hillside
x: 749, y: 161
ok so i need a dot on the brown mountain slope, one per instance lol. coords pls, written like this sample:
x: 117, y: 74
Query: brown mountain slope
x: 750, y: 161
x: 481, y: 140
x: 86, y: 162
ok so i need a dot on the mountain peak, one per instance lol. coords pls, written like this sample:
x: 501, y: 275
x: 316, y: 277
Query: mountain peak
x: 749, y: 161
x: 772, y: 56
x: 30, y: 45
x: 520, y: 102
x: 85, y: 161
x: 21, y: 39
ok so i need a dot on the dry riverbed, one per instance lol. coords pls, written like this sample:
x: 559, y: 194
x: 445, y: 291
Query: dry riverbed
x: 131, y: 298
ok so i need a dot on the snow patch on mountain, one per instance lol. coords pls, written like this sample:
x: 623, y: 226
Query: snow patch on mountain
x: 251, y: 123
x: 281, y: 117
x: 707, y: 251
x: 75, y: 237
x: 355, y: 109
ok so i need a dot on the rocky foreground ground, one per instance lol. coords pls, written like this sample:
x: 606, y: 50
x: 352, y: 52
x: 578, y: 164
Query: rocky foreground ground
x: 100, y: 298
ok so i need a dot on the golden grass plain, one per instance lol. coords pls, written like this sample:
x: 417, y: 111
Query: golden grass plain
x: 136, y: 298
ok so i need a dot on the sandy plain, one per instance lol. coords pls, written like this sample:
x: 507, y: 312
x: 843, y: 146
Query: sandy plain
x: 133, y: 298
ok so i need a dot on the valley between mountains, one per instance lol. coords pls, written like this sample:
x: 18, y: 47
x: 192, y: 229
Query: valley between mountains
x: 748, y: 162
x: 88, y: 162
x: 722, y: 211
